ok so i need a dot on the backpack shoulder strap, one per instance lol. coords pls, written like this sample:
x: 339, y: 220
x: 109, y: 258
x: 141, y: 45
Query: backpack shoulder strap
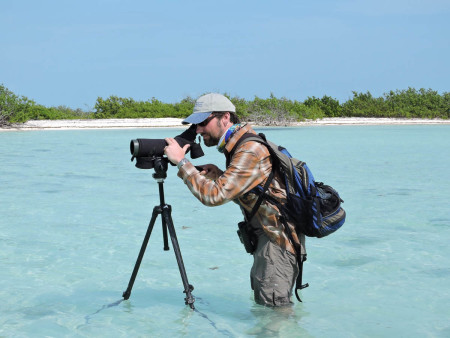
x: 261, y: 197
x: 281, y: 159
x: 244, y: 138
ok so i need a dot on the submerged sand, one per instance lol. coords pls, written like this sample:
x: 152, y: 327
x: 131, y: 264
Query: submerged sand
x: 174, y: 122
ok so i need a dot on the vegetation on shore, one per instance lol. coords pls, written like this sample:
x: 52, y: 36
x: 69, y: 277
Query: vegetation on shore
x: 408, y: 103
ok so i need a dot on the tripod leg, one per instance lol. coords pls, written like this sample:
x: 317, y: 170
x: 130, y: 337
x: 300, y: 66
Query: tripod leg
x: 162, y: 203
x: 156, y: 212
x: 166, y: 214
x: 165, y: 237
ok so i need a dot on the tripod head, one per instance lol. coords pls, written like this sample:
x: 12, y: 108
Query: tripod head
x: 158, y: 163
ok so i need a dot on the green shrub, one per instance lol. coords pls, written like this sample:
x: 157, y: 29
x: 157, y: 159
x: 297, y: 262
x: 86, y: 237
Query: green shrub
x: 409, y: 103
x: 13, y: 109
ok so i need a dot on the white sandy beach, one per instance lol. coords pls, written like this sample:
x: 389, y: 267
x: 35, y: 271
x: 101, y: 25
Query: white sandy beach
x: 174, y: 122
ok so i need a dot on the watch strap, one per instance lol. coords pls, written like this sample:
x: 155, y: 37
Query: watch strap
x: 182, y: 162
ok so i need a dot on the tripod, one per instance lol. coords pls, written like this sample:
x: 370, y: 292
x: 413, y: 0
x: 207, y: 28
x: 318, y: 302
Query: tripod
x: 164, y: 210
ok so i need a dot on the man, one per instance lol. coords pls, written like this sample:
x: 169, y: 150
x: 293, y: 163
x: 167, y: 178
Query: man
x: 275, y: 265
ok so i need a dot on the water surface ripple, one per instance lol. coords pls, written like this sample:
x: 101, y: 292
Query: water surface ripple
x: 74, y: 211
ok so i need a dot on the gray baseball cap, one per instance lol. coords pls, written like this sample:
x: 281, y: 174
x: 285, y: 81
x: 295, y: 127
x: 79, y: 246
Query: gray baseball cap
x: 206, y: 104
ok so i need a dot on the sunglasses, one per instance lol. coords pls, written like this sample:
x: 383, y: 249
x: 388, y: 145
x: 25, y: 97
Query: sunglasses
x: 204, y: 123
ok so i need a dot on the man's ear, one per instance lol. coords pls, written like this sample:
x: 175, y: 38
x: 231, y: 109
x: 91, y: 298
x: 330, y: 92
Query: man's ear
x: 226, y: 119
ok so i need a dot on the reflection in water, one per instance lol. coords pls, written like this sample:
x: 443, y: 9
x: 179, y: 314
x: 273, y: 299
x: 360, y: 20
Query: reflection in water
x: 278, y: 321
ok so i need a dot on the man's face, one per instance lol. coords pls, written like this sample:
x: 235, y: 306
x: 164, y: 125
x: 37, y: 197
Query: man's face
x: 211, y: 130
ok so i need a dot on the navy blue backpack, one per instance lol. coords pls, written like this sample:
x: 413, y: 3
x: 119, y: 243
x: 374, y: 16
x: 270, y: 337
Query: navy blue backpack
x: 314, y: 208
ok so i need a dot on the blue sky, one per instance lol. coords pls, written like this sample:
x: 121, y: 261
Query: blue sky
x: 71, y: 52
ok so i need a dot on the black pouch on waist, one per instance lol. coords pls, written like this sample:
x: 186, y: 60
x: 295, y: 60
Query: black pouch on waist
x: 247, y: 237
x: 245, y: 233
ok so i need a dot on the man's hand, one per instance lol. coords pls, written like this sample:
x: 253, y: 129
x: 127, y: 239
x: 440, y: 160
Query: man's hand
x: 211, y: 171
x: 173, y: 150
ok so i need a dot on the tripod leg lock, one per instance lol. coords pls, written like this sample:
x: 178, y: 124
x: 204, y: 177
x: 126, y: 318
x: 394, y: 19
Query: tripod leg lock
x: 189, y: 300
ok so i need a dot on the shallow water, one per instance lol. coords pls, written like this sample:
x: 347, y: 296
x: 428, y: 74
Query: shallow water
x: 74, y: 211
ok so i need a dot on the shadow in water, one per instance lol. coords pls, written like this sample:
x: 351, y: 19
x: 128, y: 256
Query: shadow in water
x: 213, y: 324
x: 106, y: 306
x: 223, y: 332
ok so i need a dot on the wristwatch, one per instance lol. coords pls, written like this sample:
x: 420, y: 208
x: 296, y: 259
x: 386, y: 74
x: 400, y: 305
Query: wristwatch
x: 182, y: 162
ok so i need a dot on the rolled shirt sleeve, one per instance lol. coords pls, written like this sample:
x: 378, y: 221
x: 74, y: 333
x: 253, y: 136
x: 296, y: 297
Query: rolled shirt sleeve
x: 246, y: 170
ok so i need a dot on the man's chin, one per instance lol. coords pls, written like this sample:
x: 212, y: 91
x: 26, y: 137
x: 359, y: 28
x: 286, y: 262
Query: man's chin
x: 210, y: 142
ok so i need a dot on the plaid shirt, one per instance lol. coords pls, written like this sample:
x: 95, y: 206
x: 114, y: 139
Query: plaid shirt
x: 250, y: 166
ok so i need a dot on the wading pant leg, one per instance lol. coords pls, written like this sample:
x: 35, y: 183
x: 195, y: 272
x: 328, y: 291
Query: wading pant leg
x: 273, y: 274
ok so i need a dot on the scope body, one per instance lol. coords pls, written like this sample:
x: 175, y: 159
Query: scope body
x: 146, y: 150
x: 142, y: 147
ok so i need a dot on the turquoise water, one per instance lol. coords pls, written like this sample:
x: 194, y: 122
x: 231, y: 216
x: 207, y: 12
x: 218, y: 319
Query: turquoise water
x: 74, y: 211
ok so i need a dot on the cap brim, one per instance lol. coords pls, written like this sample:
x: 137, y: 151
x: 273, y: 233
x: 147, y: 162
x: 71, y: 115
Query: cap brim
x: 196, y: 118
